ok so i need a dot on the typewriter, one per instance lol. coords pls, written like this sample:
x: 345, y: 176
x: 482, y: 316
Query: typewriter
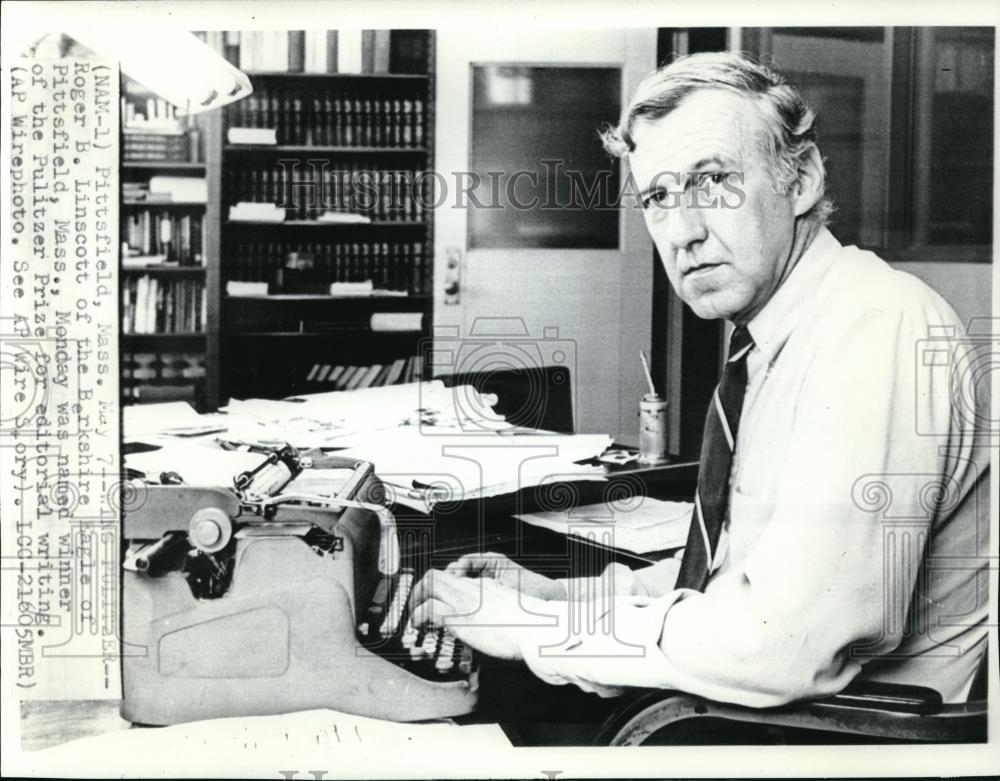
x: 270, y: 597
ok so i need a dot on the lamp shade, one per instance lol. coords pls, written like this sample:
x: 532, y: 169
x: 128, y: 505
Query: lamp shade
x: 174, y: 64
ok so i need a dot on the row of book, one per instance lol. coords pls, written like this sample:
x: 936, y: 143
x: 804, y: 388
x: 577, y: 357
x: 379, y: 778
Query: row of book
x: 342, y: 117
x: 166, y: 189
x: 145, y: 147
x: 162, y: 366
x: 173, y: 376
x: 152, y: 305
x: 401, y: 266
x: 151, y: 114
x: 308, y: 189
x: 328, y: 51
x: 165, y: 236
x: 402, y: 370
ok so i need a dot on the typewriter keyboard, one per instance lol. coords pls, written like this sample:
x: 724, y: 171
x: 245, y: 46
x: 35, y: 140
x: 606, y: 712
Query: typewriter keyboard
x: 430, y: 652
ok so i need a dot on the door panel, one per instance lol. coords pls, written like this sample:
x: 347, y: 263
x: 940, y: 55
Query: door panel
x: 576, y: 286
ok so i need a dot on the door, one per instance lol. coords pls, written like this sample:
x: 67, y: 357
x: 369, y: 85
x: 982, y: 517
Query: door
x: 534, y: 264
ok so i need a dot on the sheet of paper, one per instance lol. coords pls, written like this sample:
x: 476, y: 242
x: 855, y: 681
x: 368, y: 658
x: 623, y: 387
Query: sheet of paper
x: 139, y: 419
x: 461, y: 466
x: 197, y: 464
x: 640, y: 526
x: 331, y: 419
x: 341, y: 744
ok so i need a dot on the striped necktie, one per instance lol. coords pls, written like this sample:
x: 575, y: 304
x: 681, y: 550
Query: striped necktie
x: 712, y: 496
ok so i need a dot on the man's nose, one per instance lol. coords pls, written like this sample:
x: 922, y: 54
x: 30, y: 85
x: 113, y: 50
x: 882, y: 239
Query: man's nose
x: 685, y: 225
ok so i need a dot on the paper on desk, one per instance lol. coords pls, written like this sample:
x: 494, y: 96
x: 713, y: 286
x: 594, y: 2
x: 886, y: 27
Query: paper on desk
x: 246, y: 747
x: 460, y: 466
x: 197, y: 464
x: 334, y: 418
x: 139, y: 419
x: 637, y: 526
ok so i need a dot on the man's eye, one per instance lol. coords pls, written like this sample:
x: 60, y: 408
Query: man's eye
x: 715, y: 178
x: 654, y: 198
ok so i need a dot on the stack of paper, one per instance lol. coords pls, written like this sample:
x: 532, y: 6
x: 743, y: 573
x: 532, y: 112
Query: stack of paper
x: 263, y: 136
x: 396, y: 321
x: 417, y: 435
x: 364, y: 288
x: 246, y: 211
x: 344, y: 218
x: 238, y: 289
x: 426, y: 468
x: 179, y: 189
x: 176, y: 418
x: 640, y: 525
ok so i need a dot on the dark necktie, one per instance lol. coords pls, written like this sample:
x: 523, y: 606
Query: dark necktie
x: 717, y: 446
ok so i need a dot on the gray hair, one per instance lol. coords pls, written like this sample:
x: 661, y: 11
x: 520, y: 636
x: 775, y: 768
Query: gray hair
x: 789, y: 123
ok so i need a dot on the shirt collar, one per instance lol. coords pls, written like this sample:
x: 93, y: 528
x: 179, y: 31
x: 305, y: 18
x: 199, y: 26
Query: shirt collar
x: 773, y: 325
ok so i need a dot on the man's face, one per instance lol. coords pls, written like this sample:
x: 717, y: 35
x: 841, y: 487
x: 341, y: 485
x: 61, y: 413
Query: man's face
x: 724, y: 253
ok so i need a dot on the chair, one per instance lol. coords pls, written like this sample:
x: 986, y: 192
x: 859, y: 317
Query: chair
x: 864, y: 712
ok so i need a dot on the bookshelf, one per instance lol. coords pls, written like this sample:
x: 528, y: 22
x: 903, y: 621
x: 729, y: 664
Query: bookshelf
x: 167, y: 227
x: 343, y: 158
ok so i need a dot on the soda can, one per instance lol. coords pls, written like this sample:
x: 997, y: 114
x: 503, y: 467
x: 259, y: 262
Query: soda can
x: 653, y: 429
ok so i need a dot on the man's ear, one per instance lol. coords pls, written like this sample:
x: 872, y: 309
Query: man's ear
x: 808, y: 189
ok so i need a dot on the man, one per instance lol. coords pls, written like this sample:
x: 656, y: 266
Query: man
x: 824, y: 508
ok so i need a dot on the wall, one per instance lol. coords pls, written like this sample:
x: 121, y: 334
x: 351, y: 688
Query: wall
x: 968, y: 287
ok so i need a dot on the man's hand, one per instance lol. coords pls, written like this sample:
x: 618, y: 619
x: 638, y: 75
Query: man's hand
x: 482, y: 613
x: 498, y: 567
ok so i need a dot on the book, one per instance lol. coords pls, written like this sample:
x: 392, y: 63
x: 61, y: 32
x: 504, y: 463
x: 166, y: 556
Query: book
x: 395, y: 371
x: 296, y: 51
x: 355, y: 380
x: 346, y: 377
x: 369, y: 376
x: 258, y: 136
x: 368, y: 51
x: 332, y: 51
x: 245, y: 211
x: 315, y: 45
x: 380, y: 51
x: 180, y: 189
x: 381, y: 322
x: 349, y: 51
x: 237, y: 289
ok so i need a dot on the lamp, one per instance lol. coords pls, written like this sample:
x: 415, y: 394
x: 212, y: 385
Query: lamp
x: 174, y: 64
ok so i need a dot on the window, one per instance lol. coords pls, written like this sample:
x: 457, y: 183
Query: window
x: 537, y: 158
x: 906, y: 126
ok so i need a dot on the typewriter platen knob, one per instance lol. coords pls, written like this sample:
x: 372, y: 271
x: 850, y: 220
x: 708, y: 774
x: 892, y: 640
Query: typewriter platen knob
x: 210, y: 529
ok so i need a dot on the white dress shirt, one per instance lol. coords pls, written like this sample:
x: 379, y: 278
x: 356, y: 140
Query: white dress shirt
x: 856, y: 541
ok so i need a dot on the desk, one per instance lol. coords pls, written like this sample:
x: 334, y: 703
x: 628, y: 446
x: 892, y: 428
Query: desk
x: 490, y: 524
x: 444, y: 534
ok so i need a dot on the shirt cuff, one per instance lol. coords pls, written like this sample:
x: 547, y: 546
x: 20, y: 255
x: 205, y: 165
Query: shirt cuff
x: 602, y: 645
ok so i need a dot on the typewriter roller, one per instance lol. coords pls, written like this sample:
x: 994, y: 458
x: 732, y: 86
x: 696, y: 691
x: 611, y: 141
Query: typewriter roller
x: 266, y: 599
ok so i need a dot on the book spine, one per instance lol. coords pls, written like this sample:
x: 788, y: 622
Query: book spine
x: 296, y: 51
x: 331, y: 51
